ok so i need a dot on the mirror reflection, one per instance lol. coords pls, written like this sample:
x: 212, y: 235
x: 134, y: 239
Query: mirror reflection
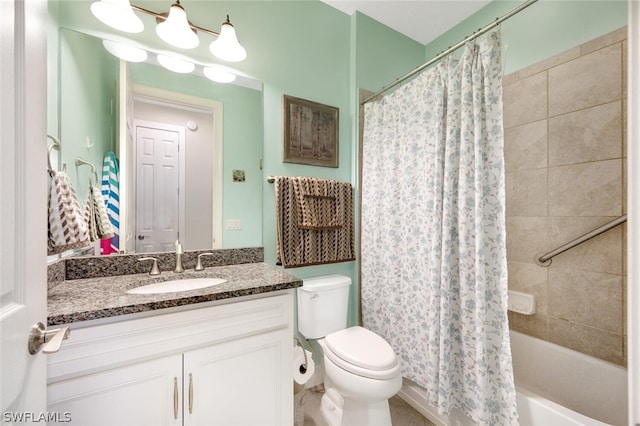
x: 180, y: 142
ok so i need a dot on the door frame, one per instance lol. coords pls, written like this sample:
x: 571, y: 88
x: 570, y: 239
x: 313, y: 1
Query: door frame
x: 633, y: 211
x: 181, y: 170
x: 174, y: 98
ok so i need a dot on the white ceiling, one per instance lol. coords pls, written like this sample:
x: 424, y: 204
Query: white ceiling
x: 421, y: 20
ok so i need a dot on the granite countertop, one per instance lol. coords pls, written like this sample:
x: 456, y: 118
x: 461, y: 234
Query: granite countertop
x: 94, y: 298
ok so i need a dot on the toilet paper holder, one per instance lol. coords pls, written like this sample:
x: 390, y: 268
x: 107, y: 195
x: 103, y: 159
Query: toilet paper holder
x: 303, y: 367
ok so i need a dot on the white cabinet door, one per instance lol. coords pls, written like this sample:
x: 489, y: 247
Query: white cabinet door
x: 243, y: 382
x: 141, y: 394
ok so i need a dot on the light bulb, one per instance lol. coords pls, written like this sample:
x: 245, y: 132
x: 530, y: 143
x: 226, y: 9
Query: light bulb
x: 117, y: 14
x: 175, y: 64
x: 219, y: 74
x: 226, y: 46
x: 176, y: 30
x: 122, y: 51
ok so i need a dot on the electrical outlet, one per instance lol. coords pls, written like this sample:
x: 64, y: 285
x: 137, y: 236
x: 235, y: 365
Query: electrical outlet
x: 234, y: 225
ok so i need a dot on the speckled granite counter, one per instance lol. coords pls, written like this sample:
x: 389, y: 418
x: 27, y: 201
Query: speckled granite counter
x: 94, y: 298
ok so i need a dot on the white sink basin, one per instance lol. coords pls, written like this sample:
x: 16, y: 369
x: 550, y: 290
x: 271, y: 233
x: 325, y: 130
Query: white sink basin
x: 176, y: 286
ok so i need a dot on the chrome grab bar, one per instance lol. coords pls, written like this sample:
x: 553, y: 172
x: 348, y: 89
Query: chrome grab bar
x: 545, y: 259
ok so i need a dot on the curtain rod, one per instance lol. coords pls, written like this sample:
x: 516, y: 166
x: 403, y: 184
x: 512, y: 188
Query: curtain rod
x: 453, y: 48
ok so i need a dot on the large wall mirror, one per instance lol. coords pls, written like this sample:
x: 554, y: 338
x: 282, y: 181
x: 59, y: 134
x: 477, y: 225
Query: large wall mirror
x: 210, y: 132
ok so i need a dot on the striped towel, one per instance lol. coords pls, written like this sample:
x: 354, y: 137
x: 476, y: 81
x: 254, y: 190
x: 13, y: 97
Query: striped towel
x: 67, y: 226
x: 111, y: 196
x: 321, y: 231
x: 96, y: 216
x: 319, y: 203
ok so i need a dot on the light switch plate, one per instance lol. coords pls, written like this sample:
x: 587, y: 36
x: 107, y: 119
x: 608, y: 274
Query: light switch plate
x: 234, y: 224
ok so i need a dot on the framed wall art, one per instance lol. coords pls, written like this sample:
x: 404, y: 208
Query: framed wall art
x: 310, y: 133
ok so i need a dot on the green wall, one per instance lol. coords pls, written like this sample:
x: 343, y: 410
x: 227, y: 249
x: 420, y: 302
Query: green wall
x: 87, y: 107
x: 544, y: 29
x: 381, y: 54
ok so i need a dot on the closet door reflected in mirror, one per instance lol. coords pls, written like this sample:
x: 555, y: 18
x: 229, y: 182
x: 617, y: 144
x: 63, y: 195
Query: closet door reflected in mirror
x: 159, y: 186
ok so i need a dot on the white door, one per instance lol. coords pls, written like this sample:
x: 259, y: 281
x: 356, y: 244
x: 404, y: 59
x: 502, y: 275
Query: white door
x: 23, y: 183
x: 159, y: 173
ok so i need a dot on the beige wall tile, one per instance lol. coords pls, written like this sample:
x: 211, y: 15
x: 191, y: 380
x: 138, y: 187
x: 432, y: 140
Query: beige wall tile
x: 588, y: 340
x: 600, y: 254
x: 531, y: 279
x: 526, y: 236
x: 587, y: 81
x: 581, y: 296
x: 623, y: 231
x: 590, y: 134
x: 624, y: 127
x: 525, y: 146
x: 533, y: 325
x: 587, y: 298
x: 589, y: 189
x: 526, y: 193
x: 608, y: 39
x: 624, y: 305
x: 624, y: 186
x: 511, y: 78
x: 543, y: 65
x: 525, y: 100
x: 624, y: 47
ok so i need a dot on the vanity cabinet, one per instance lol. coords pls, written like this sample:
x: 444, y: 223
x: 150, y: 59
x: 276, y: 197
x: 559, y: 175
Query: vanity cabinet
x: 222, y: 365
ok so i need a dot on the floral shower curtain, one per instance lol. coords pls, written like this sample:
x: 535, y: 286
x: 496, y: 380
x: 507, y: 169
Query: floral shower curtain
x: 434, y: 270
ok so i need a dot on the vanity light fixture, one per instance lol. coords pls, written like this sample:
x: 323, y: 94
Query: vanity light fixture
x: 123, y: 51
x: 176, y: 64
x: 117, y: 14
x: 176, y: 29
x: 172, y: 27
x: 218, y: 74
x: 214, y: 72
x: 226, y: 46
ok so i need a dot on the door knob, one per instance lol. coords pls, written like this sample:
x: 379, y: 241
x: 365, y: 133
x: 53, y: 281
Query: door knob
x: 50, y: 339
x: 141, y: 237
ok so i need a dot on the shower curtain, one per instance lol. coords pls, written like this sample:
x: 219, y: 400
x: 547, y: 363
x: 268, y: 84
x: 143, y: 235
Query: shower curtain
x: 434, y: 270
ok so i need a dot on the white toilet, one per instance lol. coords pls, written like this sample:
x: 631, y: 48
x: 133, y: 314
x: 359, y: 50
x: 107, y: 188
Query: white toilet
x: 361, y: 369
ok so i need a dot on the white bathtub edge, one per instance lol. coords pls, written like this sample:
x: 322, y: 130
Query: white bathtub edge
x: 537, y: 409
x: 414, y: 395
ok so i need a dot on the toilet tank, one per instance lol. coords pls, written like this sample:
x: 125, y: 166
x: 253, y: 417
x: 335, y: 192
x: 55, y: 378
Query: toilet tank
x: 323, y: 303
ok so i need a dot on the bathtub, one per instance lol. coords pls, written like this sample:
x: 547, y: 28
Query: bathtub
x: 555, y: 386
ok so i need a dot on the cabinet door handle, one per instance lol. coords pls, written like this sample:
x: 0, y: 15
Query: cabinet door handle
x: 175, y: 398
x: 190, y: 393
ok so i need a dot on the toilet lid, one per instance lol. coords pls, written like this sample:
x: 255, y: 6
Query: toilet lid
x: 362, y: 352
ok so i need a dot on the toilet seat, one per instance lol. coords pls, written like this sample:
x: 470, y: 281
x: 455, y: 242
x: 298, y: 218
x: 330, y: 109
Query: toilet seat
x: 362, y: 352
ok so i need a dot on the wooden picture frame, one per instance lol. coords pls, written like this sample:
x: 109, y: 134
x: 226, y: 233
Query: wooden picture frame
x: 310, y: 133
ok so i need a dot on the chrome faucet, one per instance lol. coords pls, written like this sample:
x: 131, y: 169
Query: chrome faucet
x: 199, y: 266
x: 179, y: 267
x: 154, y: 268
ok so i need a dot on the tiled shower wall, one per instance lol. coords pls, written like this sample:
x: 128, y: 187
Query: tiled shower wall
x: 565, y: 156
